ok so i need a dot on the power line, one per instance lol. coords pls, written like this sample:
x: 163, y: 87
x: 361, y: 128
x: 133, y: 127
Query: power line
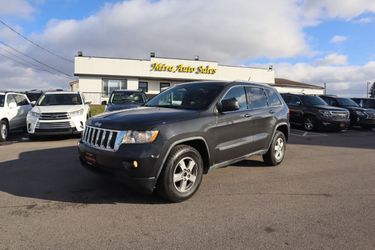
x: 59, y: 71
x: 13, y: 57
x: 34, y: 43
x: 25, y: 65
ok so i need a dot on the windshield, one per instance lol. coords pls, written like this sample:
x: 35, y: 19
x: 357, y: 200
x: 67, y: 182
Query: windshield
x: 126, y: 98
x: 33, y: 96
x: 192, y: 96
x: 346, y: 102
x: 312, y: 100
x: 2, y: 98
x: 59, y: 99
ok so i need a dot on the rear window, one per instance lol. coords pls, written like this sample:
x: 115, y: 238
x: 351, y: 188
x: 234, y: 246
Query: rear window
x: 59, y: 99
x: 2, y: 98
x: 127, y: 98
x: 257, y: 97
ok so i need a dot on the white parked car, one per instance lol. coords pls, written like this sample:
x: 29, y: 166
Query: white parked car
x: 13, y: 110
x: 58, y: 113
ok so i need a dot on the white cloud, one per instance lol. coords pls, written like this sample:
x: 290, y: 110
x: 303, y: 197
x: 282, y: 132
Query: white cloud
x: 328, y: 9
x: 333, y: 59
x: 363, y: 20
x: 18, y: 8
x: 233, y: 32
x: 338, y: 39
x: 344, y: 80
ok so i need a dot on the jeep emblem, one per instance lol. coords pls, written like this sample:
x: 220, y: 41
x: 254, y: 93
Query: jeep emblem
x: 98, y: 124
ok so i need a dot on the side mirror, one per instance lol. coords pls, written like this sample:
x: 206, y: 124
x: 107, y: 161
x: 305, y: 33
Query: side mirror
x: 228, y: 105
x: 88, y: 102
x: 104, y: 102
x: 33, y: 103
x: 12, y: 105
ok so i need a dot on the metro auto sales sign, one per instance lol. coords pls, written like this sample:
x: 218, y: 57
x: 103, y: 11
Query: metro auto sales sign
x: 181, y: 68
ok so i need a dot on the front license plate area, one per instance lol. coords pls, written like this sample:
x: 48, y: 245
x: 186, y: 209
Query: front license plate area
x: 90, y: 159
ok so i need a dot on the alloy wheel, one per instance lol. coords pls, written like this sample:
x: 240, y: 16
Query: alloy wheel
x: 185, y: 174
x: 279, y: 149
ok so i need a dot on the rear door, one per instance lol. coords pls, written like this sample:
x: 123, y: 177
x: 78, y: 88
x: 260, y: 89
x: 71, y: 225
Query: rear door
x: 233, y: 130
x: 261, y: 117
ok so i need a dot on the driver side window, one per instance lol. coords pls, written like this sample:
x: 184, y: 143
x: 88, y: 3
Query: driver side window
x: 295, y: 101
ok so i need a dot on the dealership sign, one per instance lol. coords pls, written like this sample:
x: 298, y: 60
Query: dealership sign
x: 182, y: 68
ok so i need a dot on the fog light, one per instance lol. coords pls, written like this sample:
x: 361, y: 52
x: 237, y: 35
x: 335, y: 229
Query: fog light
x: 135, y: 164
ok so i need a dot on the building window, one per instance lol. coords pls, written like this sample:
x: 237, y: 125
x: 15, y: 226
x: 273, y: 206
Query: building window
x: 164, y: 85
x: 112, y: 84
x: 143, y: 86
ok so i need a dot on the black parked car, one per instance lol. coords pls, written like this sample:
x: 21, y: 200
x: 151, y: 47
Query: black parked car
x: 125, y: 99
x: 182, y: 133
x: 367, y: 103
x: 313, y: 113
x: 358, y: 116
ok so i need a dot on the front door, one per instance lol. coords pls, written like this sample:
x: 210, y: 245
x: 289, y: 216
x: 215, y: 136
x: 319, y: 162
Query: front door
x: 233, y: 131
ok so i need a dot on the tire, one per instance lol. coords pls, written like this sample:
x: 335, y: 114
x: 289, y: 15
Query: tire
x: 4, y: 130
x: 276, y: 152
x: 182, y: 174
x: 309, y: 123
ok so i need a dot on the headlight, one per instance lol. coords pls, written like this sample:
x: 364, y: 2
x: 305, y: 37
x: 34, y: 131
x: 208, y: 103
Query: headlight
x: 360, y: 113
x: 77, y: 113
x: 133, y: 137
x: 33, y: 114
x: 325, y: 113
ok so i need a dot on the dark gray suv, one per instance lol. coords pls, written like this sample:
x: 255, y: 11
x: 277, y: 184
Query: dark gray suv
x: 179, y: 135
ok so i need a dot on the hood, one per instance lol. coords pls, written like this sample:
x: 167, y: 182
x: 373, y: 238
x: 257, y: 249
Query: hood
x: 57, y: 108
x: 353, y: 108
x: 141, y: 118
x: 327, y: 107
x: 113, y: 107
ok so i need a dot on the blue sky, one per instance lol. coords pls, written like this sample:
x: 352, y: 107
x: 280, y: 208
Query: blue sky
x: 312, y: 41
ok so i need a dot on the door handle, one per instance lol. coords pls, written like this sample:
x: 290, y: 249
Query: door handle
x: 272, y: 111
x: 246, y: 115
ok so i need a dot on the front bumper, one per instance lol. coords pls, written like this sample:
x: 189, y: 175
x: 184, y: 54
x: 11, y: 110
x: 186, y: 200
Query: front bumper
x: 119, y: 164
x: 336, y: 124
x: 36, y: 126
x: 366, y: 122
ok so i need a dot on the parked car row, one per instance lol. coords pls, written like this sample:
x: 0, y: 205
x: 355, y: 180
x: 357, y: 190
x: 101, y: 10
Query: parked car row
x: 314, y: 112
x: 55, y: 112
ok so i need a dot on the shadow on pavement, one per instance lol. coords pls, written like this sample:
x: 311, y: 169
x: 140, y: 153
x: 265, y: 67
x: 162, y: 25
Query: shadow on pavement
x: 56, y: 175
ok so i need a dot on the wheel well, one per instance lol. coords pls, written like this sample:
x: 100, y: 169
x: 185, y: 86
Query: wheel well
x: 201, y: 147
x: 5, y: 120
x: 284, y: 129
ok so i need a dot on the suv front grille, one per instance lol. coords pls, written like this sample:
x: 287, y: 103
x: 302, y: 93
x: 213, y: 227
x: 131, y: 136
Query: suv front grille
x: 53, y: 125
x: 100, y: 138
x: 54, y: 116
x: 339, y: 115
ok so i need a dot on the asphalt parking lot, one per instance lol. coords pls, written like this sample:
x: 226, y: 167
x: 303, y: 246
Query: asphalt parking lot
x: 321, y: 197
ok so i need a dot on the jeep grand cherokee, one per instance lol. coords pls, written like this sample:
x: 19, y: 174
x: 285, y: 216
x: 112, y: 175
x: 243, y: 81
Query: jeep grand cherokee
x: 169, y: 143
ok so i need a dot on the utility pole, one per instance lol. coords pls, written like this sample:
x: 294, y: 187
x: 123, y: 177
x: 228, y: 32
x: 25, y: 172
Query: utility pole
x: 325, y: 88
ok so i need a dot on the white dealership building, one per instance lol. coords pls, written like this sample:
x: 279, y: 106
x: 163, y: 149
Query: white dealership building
x: 98, y: 76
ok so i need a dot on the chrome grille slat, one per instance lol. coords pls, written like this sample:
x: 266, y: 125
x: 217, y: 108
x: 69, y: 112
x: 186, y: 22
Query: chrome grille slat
x: 54, y: 116
x: 104, y: 139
